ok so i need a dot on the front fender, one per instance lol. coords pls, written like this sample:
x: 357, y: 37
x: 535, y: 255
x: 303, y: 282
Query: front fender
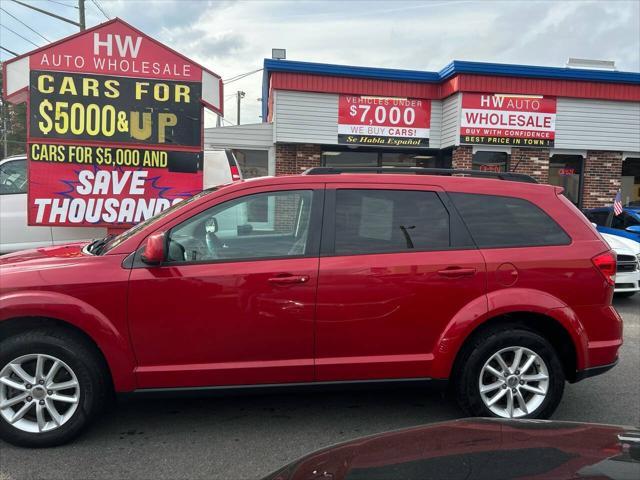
x: 113, y: 344
x: 498, y: 303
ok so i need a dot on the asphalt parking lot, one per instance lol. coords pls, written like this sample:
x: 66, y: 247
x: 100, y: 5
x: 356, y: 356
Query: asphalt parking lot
x: 246, y: 437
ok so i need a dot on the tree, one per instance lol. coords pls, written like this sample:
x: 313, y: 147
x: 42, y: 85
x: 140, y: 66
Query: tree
x: 14, y: 119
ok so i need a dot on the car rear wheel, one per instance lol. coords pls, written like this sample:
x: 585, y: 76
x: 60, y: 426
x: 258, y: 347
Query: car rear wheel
x: 51, y: 386
x: 510, y: 373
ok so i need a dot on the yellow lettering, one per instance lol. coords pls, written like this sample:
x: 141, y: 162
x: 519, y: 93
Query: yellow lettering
x: 182, y: 92
x: 68, y: 86
x: 140, y: 89
x: 42, y: 88
x: 165, y: 120
x: 111, y: 89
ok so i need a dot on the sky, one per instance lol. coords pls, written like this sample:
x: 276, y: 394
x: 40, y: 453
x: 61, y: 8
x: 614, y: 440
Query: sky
x: 233, y: 37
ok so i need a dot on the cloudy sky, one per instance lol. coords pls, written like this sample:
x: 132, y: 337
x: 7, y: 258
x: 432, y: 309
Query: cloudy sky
x: 233, y: 37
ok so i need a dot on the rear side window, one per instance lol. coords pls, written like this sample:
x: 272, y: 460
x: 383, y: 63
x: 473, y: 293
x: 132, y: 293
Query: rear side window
x: 382, y: 221
x: 496, y: 221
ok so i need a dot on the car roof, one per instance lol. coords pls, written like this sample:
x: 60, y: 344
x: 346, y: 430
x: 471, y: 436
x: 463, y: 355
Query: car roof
x: 452, y: 183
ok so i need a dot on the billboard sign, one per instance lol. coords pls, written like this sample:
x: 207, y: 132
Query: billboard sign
x: 114, y: 126
x: 518, y: 120
x: 383, y: 121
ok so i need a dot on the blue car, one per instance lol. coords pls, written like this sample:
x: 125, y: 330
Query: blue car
x: 627, y: 224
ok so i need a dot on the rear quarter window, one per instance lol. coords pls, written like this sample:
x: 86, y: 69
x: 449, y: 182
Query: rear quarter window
x: 495, y: 221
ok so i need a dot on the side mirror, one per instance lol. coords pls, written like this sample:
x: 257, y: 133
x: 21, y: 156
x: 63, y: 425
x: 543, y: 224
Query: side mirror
x: 633, y: 229
x: 154, y: 249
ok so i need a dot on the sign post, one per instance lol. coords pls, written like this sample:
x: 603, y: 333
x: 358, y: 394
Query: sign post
x: 114, y: 129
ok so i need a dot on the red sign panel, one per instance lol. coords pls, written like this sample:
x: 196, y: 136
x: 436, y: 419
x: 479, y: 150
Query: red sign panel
x: 389, y: 121
x: 519, y: 120
x: 115, y: 128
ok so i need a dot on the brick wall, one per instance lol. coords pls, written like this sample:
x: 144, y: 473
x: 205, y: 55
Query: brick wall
x: 461, y: 157
x: 293, y: 159
x: 531, y: 161
x: 602, y: 172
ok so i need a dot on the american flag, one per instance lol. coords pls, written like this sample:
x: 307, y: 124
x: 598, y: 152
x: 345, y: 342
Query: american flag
x: 617, y: 204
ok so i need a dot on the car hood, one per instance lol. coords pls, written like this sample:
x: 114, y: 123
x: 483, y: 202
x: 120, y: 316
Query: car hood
x: 622, y: 245
x: 478, y: 449
x: 41, y: 256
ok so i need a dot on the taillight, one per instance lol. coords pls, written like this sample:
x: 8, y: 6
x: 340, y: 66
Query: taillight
x: 606, y: 263
x: 235, y: 173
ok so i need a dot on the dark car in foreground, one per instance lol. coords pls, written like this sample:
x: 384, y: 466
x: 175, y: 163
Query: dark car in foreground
x: 338, y: 277
x: 474, y: 449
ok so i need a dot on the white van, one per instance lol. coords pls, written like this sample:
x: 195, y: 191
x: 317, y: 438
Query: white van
x: 220, y: 167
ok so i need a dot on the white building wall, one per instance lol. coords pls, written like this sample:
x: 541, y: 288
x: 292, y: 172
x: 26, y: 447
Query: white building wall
x: 256, y: 136
x: 597, y: 125
x: 451, y: 121
x: 305, y: 117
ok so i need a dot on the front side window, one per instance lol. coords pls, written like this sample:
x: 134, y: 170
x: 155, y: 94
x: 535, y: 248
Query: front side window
x: 13, y: 177
x: 496, y: 221
x: 264, y: 225
x: 379, y: 221
x: 623, y: 221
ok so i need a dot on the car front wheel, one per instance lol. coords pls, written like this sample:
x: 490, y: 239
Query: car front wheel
x: 510, y: 373
x: 50, y: 387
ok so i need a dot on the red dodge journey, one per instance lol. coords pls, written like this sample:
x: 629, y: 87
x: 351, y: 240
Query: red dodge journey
x: 497, y: 284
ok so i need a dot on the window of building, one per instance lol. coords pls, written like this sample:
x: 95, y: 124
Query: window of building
x: 631, y: 181
x: 566, y: 171
x: 340, y: 157
x: 252, y: 163
x: 496, y: 221
x: 599, y: 217
x: 490, y: 161
x: 232, y: 231
x: 13, y: 177
x: 379, y: 221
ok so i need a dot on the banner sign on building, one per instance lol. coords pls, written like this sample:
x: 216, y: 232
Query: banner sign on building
x: 114, y: 126
x: 518, y: 120
x: 385, y: 121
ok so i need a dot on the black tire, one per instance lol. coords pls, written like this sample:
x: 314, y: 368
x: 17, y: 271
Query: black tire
x: 624, y: 294
x: 73, y: 350
x: 482, y: 347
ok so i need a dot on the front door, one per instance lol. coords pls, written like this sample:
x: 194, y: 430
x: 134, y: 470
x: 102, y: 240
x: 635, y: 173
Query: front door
x: 393, y: 273
x: 234, y: 302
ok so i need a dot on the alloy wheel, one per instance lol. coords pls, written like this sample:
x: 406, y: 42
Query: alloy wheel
x: 514, y: 382
x: 38, y: 393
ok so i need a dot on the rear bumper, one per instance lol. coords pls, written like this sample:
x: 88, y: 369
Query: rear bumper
x: 593, y: 371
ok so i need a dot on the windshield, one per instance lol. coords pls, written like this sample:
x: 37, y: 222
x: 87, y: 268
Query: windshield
x: 117, y: 240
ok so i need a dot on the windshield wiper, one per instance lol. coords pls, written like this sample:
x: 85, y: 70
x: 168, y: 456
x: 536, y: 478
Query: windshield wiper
x: 98, y: 245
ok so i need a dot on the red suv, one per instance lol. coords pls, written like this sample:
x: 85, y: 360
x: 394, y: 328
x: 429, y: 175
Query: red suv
x: 501, y: 286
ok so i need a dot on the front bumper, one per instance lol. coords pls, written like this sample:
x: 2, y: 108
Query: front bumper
x: 627, y: 282
x: 593, y: 371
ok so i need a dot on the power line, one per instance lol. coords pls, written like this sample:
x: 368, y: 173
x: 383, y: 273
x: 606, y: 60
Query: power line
x: 65, y: 4
x: 9, y: 51
x: 241, y: 76
x: 20, y: 21
x: 24, y: 38
x: 101, y: 8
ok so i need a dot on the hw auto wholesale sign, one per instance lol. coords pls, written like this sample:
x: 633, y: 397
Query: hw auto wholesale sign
x: 115, y: 126
x: 396, y: 122
x: 498, y: 119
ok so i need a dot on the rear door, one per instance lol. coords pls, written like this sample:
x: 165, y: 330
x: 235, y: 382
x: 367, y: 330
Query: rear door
x: 396, y: 265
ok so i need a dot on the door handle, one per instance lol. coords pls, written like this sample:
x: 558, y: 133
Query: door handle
x: 457, y: 272
x: 289, y: 279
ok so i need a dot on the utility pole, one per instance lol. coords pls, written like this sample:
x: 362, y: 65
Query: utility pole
x: 81, y: 15
x: 240, y: 97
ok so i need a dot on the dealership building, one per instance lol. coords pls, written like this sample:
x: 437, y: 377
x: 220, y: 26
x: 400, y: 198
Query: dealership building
x: 578, y: 128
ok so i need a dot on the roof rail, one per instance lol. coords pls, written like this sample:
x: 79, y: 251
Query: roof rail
x: 514, y: 177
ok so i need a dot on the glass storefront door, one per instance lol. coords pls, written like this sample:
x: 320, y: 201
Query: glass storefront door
x: 631, y: 181
x: 566, y: 171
